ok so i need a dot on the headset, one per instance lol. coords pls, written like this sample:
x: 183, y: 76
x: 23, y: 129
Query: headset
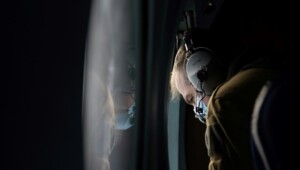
x: 202, y: 67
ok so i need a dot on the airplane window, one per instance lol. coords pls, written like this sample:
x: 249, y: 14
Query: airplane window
x: 126, y: 73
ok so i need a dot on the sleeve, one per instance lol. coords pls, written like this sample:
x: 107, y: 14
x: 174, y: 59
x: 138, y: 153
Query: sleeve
x: 227, y: 136
x: 216, y: 149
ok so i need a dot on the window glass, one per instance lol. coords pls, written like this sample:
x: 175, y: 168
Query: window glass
x: 109, y: 89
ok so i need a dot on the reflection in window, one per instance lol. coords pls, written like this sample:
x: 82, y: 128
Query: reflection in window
x: 109, y: 91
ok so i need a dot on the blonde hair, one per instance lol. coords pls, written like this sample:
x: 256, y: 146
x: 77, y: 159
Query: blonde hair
x: 178, y: 67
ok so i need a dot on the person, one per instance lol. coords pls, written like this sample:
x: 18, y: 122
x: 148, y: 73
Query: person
x: 225, y: 102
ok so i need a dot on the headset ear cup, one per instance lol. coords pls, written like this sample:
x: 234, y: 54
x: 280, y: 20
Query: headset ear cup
x: 203, y: 66
x: 196, y: 66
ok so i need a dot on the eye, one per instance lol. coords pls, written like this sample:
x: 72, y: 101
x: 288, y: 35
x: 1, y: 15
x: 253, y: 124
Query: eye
x: 191, y: 100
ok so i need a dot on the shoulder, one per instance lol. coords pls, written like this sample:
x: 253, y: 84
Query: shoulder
x: 238, y: 93
x: 245, y: 81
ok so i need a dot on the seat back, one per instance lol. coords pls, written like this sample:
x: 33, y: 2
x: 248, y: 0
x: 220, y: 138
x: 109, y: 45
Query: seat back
x: 275, y: 126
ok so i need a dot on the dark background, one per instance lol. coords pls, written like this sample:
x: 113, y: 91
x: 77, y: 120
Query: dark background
x: 42, y: 83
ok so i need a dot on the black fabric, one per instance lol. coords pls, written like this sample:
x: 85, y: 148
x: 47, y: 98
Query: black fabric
x: 277, y: 123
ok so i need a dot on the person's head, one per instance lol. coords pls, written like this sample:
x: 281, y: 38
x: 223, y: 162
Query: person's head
x: 194, y: 77
x: 185, y: 80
